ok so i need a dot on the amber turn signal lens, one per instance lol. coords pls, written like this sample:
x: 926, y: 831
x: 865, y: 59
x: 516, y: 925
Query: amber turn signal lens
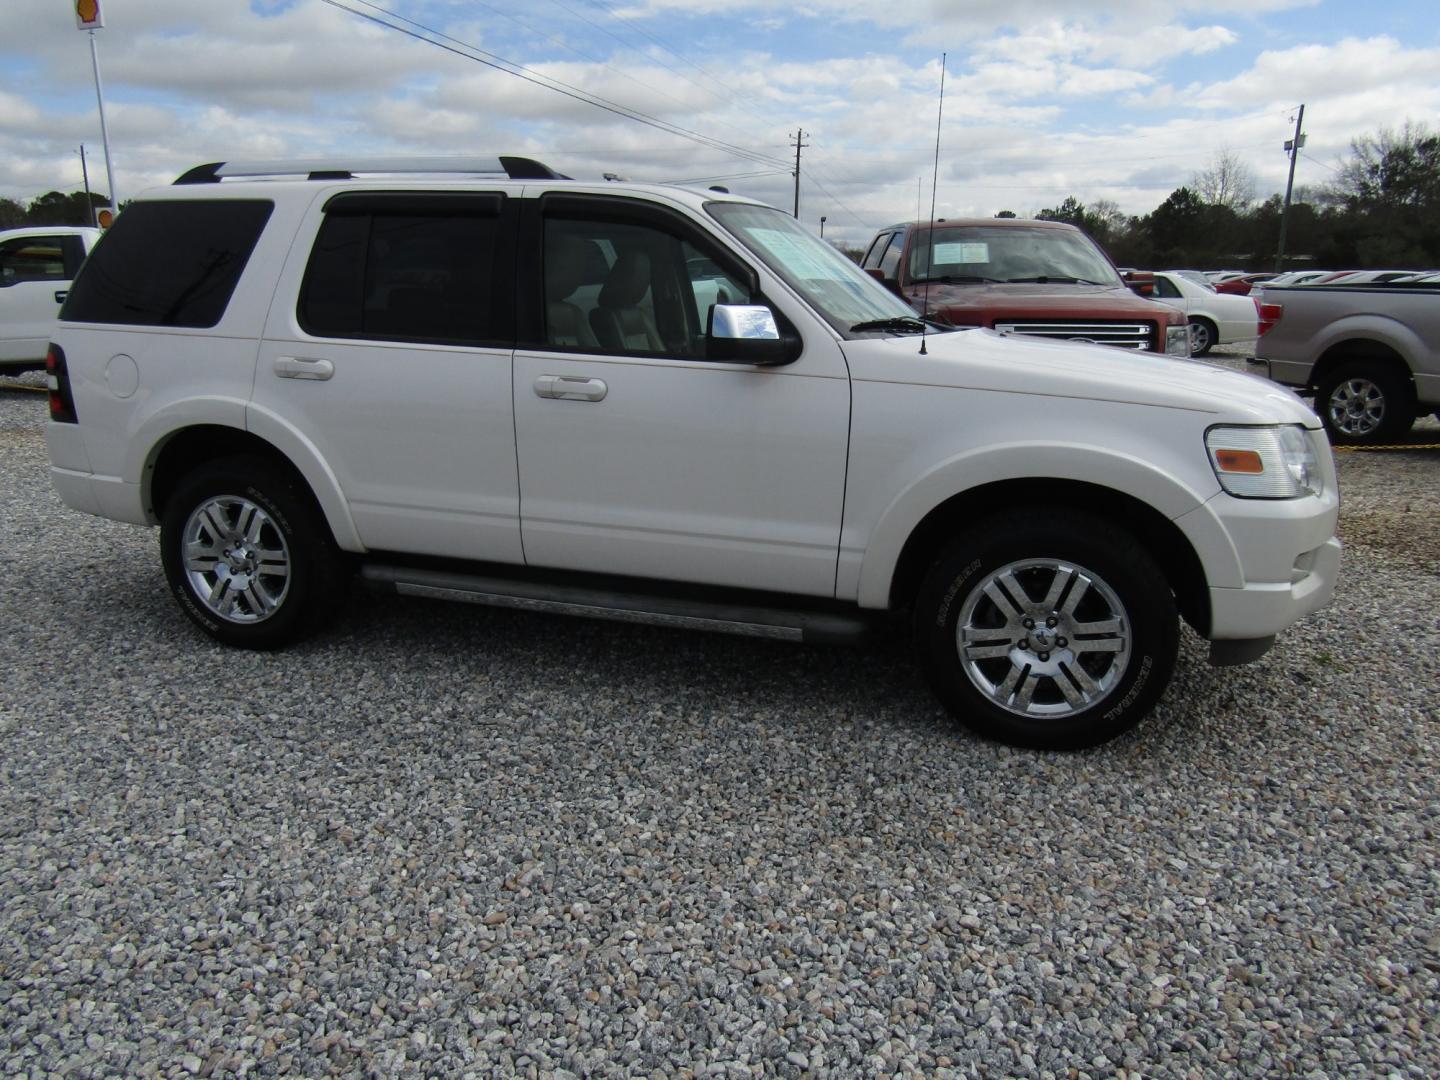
x: 1239, y: 461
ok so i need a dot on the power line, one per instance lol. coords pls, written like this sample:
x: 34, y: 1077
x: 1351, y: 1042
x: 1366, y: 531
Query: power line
x: 561, y: 43
x: 510, y: 67
x: 734, y: 96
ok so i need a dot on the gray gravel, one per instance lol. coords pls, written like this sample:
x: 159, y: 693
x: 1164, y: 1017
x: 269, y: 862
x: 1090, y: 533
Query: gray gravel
x: 444, y: 841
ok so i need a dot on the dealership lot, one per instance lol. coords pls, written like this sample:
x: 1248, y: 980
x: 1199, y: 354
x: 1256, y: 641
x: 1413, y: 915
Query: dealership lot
x: 441, y: 839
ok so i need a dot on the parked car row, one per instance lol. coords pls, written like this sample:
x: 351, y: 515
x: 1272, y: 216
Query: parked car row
x: 1241, y: 283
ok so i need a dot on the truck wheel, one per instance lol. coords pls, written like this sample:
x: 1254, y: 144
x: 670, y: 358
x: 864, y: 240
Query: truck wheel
x: 1052, y: 629
x: 1202, y: 336
x: 248, y: 556
x: 1363, y: 402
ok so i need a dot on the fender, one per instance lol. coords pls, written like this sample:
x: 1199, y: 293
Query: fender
x: 1367, y: 326
x: 239, y: 414
x: 302, y: 452
x: 875, y: 551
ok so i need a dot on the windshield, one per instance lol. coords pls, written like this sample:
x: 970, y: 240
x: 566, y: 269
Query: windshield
x: 980, y: 253
x: 843, y: 294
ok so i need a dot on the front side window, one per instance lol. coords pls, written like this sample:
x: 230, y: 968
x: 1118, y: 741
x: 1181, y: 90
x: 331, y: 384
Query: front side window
x: 890, y: 261
x: 877, y: 248
x: 627, y: 286
x: 168, y: 263
x: 32, y: 258
x: 843, y: 294
x: 405, y: 268
x: 1017, y: 254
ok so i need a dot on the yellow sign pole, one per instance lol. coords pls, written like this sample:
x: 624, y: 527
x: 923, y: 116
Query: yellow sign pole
x: 89, y: 17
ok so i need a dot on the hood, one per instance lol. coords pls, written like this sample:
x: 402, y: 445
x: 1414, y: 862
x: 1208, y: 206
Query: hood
x: 985, y: 360
x: 984, y: 304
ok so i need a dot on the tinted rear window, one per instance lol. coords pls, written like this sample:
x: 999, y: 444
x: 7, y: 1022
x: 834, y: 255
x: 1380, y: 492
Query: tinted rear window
x: 406, y: 268
x: 168, y: 263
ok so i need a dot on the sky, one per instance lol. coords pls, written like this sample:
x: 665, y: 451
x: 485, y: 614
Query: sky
x: 1122, y: 100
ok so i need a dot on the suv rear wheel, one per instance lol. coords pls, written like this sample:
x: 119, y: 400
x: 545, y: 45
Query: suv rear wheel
x: 249, y: 558
x: 1053, y: 630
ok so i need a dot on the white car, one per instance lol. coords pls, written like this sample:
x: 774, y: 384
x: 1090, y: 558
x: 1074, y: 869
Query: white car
x: 36, y: 266
x: 660, y: 404
x: 1215, y: 318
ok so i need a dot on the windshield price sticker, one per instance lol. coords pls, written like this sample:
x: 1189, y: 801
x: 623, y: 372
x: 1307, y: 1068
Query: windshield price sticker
x: 967, y: 252
x: 794, y: 256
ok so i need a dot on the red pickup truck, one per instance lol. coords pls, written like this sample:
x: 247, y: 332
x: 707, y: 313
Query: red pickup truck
x: 1042, y: 278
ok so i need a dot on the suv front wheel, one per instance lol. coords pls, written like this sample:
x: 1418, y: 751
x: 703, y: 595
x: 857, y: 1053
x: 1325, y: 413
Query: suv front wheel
x: 1053, y: 630
x: 249, y: 558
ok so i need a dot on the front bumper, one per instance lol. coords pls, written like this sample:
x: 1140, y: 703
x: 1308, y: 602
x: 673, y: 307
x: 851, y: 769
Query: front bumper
x: 1263, y: 609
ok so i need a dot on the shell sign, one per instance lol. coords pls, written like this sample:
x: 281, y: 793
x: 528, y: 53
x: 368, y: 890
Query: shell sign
x: 87, y: 15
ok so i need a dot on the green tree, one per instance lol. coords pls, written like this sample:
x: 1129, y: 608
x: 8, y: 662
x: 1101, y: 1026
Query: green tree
x: 1390, y: 193
x: 12, y: 213
x: 56, y: 208
x: 1173, y: 226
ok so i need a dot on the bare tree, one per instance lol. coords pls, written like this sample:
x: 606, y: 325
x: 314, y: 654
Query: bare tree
x: 1227, y: 181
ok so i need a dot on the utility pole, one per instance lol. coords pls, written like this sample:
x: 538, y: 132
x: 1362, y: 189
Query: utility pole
x: 799, y: 134
x: 85, y: 175
x: 1293, y: 146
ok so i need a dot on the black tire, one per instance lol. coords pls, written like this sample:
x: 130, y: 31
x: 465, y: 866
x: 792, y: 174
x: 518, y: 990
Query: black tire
x: 1365, y: 402
x: 1203, y: 336
x: 266, y: 570
x: 1092, y: 573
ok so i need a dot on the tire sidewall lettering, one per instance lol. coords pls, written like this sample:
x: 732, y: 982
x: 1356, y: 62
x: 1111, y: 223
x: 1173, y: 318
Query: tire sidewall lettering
x: 942, y: 614
x: 1142, y: 676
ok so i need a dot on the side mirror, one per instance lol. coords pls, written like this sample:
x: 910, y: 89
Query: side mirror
x: 876, y: 273
x: 748, y: 334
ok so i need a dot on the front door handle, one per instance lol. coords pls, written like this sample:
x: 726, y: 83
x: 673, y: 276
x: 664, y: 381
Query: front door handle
x: 60, y: 295
x: 303, y: 367
x: 568, y: 388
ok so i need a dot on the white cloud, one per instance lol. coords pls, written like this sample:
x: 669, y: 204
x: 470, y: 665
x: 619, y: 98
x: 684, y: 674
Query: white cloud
x: 1044, y: 98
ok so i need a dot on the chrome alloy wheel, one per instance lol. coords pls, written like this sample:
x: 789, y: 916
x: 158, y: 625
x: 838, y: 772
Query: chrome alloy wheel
x: 1043, y: 638
x: 1356, y: 407
x: 236, y: 559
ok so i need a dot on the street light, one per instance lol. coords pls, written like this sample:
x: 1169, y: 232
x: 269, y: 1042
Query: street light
x: 822, y: 226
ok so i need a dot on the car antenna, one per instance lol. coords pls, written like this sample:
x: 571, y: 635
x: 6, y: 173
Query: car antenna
x: 930, y: 238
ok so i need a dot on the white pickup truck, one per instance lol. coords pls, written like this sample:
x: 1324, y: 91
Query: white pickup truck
x: 1370, y: 353
x: 36, y: 266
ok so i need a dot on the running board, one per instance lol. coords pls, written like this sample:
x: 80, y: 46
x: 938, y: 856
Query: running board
x: 812, y: 627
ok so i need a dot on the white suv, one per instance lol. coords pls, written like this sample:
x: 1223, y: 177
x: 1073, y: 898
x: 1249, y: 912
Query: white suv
x: 671, y: 405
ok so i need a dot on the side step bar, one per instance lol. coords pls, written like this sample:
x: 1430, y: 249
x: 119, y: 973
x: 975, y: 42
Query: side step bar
x: 812, y: 627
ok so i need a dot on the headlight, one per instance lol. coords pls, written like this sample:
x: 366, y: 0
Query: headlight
x: 1177, y: 340
x: 1264, y: 462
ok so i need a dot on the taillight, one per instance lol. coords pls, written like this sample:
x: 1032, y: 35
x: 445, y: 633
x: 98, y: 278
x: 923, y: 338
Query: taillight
x: 1267, y: 315
x: 62, y: 403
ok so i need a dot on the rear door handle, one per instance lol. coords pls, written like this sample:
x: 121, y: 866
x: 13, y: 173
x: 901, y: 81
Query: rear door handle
x: 568, y: 388
x: 303, y: 367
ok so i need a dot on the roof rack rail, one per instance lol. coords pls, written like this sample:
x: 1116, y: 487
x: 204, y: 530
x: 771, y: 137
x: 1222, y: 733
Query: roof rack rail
x: 515, y: 168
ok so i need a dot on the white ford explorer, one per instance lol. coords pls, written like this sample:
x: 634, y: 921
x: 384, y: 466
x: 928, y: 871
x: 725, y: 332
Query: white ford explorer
x: 483, y: 381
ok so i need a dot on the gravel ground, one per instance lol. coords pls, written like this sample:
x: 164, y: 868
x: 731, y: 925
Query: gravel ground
x: 443, y: 841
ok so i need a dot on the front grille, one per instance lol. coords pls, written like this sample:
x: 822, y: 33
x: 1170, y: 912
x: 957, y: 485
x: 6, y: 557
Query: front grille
x: 1127, y: 335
